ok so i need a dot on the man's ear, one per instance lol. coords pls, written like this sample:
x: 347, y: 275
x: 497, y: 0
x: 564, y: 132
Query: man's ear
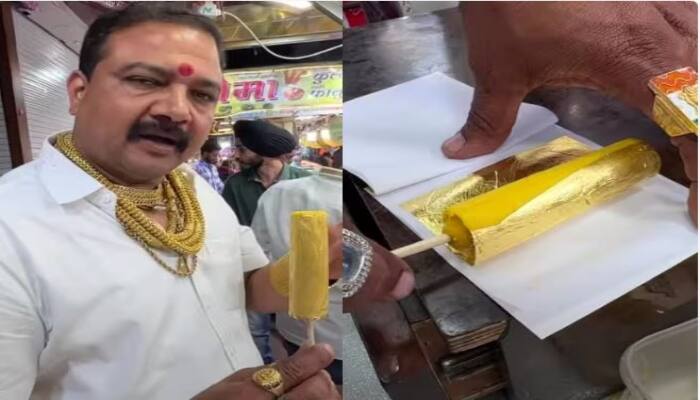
x: 77, y: 88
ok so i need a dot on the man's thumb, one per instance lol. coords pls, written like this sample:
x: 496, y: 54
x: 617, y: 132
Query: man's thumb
x: 491, y: 118
x: 304, y: 364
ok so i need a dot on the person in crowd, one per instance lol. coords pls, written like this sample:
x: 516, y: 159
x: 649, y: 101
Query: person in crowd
x: 261, y: 148
x: 227, y: 168
x: 337, y: 158
x: 207, y: 165
x: 327, y: 159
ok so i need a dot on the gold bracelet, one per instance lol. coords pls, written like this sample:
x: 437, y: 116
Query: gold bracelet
x: 676, y: 102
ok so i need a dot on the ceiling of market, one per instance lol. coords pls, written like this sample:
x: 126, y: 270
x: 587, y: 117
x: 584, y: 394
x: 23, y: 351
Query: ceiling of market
x: 274, y: 22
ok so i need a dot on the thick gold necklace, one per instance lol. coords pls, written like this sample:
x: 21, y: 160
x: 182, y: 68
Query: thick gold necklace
x: 184, y: 234
x: 143, y: 198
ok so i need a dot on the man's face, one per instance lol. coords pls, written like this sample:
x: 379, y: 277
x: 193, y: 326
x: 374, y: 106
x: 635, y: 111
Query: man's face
x: 150, y: 101
x: 211, y: 157
x: 246, y: 157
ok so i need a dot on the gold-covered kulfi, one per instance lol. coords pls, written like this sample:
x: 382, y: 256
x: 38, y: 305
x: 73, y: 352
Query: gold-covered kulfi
x: 308, y: 265
x: 490, y: 223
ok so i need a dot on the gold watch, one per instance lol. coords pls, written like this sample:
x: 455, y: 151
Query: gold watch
x: 676, y: 101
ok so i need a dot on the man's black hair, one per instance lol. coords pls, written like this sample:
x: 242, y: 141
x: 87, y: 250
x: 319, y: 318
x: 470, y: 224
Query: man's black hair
x: 210, y: 145
x: 96, y: 37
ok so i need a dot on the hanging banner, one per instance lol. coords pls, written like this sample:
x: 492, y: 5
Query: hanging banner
x: 276, y: 90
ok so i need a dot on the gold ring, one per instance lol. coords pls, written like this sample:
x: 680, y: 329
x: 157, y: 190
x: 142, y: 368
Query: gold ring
x: 269, y: 379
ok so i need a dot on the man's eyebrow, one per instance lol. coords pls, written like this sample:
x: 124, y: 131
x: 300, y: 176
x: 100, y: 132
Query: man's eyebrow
x: 162, y: 72
x: 204, y: 83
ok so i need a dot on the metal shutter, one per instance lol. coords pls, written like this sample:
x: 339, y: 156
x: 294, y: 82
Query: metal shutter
x: 45, y: 64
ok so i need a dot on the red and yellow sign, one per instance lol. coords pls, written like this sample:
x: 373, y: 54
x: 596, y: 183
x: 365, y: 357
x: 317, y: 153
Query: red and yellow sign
x: 268, y: 91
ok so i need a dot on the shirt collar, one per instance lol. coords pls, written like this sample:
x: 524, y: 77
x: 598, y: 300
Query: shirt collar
x: 252, y: 174
x: 65, y: 181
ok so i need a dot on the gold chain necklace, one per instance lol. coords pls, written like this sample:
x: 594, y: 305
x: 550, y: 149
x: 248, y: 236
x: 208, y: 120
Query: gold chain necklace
x: 143, y: 198
x: 184, y: 234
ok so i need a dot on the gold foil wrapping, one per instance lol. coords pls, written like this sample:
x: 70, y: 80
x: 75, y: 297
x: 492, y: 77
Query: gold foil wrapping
x: 308, y: 265
x: 582, y: 189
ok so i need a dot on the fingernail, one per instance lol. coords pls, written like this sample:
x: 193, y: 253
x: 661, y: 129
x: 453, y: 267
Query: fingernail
x: 329, y: 349
x: 404, y: 286
x: 454, y: 144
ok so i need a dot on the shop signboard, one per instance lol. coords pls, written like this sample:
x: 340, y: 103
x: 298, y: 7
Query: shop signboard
x: 275, y: 91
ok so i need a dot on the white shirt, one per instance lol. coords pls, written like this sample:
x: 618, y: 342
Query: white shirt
x: 271, y: 224
x: 87, y: 314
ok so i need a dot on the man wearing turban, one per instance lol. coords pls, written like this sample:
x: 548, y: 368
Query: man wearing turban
x: 261, y: 148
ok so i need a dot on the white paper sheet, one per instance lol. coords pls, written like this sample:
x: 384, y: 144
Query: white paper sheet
x: 393, y: 137
x: 565, y: 274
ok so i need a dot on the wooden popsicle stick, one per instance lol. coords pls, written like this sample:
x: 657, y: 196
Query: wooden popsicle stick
x: 423, y: 245
x: 310, y: 333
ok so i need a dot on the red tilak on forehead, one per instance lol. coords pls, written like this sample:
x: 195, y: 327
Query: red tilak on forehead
x: 185, y: 69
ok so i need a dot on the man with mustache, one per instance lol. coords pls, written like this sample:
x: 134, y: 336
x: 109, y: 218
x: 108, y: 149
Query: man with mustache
x: 123, y: 274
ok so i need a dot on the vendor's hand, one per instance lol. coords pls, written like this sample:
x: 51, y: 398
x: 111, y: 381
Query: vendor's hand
x: 335, y: 251
x: 390, y: 278
x: 303, y: 375
x: 615, y: 47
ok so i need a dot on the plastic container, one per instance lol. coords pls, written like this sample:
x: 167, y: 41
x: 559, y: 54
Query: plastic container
x: 663, y: 366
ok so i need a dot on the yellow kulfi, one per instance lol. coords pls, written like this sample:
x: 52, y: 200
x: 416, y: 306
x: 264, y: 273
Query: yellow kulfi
x: 308, y: 265
x: 486, y: 225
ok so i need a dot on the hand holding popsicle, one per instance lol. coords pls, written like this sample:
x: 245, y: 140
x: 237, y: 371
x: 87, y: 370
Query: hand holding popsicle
x: 302, y: 374
x: 389, y: 279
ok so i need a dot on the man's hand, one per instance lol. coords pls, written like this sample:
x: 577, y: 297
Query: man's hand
x: 615, y: 47
x: 303, y: 375
x: 390, y: 278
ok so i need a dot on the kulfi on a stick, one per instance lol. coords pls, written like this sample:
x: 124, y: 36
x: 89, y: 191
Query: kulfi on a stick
x: 308, y: 268
x: 486, y: 225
